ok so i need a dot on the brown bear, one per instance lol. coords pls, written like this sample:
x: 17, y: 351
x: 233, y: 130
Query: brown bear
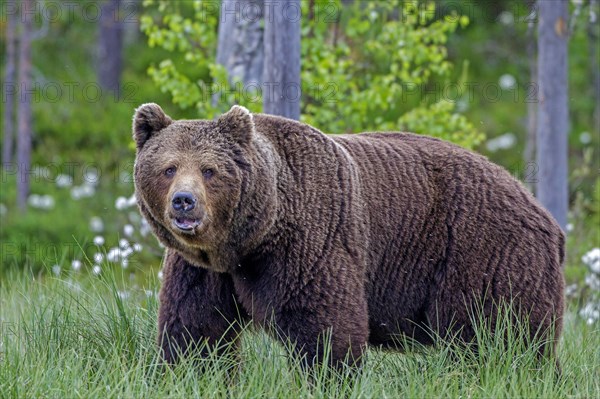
x: 364, y: 238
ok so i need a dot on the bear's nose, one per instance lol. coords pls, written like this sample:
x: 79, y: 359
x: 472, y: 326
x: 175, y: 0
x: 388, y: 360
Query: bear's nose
x: 183, y: 201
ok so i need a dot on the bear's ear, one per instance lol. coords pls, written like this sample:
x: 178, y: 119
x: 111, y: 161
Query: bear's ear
x: 147, y: 120
x: 238, y: 123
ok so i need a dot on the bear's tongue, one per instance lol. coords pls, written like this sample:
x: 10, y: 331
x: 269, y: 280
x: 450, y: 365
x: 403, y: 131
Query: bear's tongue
x: 186, y: 224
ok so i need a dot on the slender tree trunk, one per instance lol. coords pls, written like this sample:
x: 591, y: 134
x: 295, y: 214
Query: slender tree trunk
x: 130, y: 21
x: 553, y: 115
x: 592, y: 33
x: 281, y: 93
x: 240, y: 49
x: 530, y: 143
x: 110, y: 45
x: 24, y: 124
x: 9, y: 83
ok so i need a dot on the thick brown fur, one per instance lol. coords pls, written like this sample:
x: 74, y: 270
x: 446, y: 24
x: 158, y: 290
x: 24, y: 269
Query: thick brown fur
x: 368, y: 237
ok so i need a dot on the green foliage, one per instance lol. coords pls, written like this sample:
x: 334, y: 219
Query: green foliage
x: 195, y: 38
x: 584, y: 214
x: 496, y: 43
x: 77, y: 127
x: 42, y: 237
x: 439, y: 120
x: 73, y: 117
x: 361, y: 64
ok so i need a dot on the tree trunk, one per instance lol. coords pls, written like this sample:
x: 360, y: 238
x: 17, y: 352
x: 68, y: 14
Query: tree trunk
x: 281, y: 89
x: 592, y: 32
x: 240, y: 49
x: 24, y: 124
x: 110, y: 44
x: 10, y: 87
x: 553, y: 115
x: 530, y: 142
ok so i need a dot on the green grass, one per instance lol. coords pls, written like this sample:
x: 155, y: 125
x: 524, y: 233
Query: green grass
x: 77, y: 337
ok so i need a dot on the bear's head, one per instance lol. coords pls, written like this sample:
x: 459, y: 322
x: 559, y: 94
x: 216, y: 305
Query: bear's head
x: 202, y: 185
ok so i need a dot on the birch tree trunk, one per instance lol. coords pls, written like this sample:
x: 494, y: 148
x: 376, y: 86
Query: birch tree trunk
x: 530, y: 142
x: 24, y: 124
x: 592, y: 33
x: 9, y: 83
x: 240, y: 49
x: 553, y: 114
x: 110, y: 46
x: 281, y: 88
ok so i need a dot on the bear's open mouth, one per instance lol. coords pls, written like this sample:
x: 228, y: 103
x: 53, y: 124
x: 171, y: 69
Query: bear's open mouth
x: 185, y: 224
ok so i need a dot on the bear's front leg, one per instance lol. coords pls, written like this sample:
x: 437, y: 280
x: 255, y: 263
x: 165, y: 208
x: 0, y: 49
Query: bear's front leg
x: 325, y: 336
x: 336, y: 317
x: 197, y: 310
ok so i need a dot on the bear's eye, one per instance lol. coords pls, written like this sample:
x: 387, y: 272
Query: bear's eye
x: 169, y: 172
x: 208, y: 173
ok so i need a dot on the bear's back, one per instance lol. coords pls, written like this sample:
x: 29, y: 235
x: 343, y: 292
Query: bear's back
x: 439, y: 217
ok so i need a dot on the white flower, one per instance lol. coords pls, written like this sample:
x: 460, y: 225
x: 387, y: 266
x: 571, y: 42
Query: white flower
x: 590, y: 312
x: 128, y: 230
x: 502, y: 142
x: 569, y: 227
x: 96, y: 224
x: 56, y: 270
x: 134, y: 217
x: 75, y: 286
x: 595, y: 267
x: 76, y: 193
x: 571, y: 290
x: 91, y: 176
x: 46, y: 202
x: 507, y: 82
x: 76, y: 265
x: 113, y: 254
x: 593, y: 281
x: 592, y: 260
x: 132, y: 200
x: 87, y: 191
x: 124, y: 263
x: 127, y: 252
x: 160, y: 275
x: 98, y: 240
x: 34, y: 200
x: 63, y: 181
x: 137, y: 247
x: 123, y: 243
x: 149, y: 293
x: 125, y: 177
x: 40, y: 201
x: 506, y: 18
x: 462, y: 106
x: 144, y: 228
x: 121, y: 203
x: 123, y: 294
x: 98, y: 257
x: 585, y: 138
x: 96, y: 270
x: 84, y: 191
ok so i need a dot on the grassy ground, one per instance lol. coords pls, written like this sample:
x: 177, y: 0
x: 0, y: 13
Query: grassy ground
x: 84, y: 337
